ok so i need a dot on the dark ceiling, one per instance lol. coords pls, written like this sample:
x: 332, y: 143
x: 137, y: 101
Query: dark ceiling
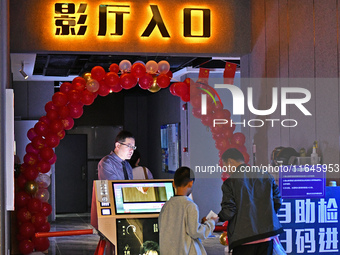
x: 63, y: 65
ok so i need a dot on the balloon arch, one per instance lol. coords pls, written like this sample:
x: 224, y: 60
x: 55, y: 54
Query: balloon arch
x: 32, y: 180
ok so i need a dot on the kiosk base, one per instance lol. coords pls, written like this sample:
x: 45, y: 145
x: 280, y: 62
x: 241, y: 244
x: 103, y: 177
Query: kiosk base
x: 104, y: 245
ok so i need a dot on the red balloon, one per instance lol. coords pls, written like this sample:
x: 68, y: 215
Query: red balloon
x: 59, y: 99
x: 111, y: 79
x: 46, y: 227
x: 26, y: 246
x: 185, y: 97
x: 63, y: 111
x: 50, y: 106
x: 23, y: 167
x: 27, y: 229
x: 146, y: 81
x: 76, y: 110
x: 74, y: 96
x: 194, y: 90
x: 222, y: 145
x: 46, y: 153
x: 219, y: 107
x: 61, y: 135
x: 46, y: 209
x: 228, y: 133
x: 238, y: 139
x: 30, y: 173
x: 43, y: 166
x: 207, y: 120
x: 24, y: 215
x: 169, y: 74
x: 188, y: 81
x: 79, y: 83
x: 31, y: 134
x: 98, y: 73
x: 87, y: 98
x: 54, y: 159
x: 163, y: 81
x: 65, y: 87
x: 114, y: 68
x: 22, y: 198
x: 116, y: 88
x: 138, y: 70
x: 172, y: 89
x: 246, y: 157
x: 196, y: 112
x: 41, y: 128
x: 195, y: 101
x: 30, y: 149
x: 218, y: 130
x: 31, y: 159
x: 103, y: 89
x: 68, y: 123
x: 52, y: 115
x: 39, y: 219
x: 222, y: 114
x: 34, y: 205
x: 128, y: 81
x: 180, y: 88
x: 41, y: 243
x: 45, y: 119
x: 242, y: 148
x: 56, y: 126
x: 52, y: 140
x: 21, y: 181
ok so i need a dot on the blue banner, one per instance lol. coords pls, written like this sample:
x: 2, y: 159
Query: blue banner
x: 311, y: 225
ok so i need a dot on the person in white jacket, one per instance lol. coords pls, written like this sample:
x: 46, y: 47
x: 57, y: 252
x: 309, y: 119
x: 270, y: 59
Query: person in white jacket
x: 139, y: 172
x: 180, y: 231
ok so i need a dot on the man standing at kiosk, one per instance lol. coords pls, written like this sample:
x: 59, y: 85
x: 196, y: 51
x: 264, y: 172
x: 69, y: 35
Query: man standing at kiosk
x: 250, y: 202
x: 114, y: 166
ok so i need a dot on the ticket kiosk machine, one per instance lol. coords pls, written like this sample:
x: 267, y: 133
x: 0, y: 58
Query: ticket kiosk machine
x: 127, y: 212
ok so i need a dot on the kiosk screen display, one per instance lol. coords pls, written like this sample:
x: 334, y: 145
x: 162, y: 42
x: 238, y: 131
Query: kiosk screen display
x: 141, y: 197
x: 137, y: 236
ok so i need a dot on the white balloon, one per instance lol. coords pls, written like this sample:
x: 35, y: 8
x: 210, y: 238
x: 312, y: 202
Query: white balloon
x: 43, y: 180
x: 163, y: 66
x: 151, y: 67
x: 92, y: 85
x: 125, y: 66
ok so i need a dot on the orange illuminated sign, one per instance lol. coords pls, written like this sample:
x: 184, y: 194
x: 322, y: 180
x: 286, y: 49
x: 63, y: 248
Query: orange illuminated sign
x: 176, y: 27
x: 73, y: 20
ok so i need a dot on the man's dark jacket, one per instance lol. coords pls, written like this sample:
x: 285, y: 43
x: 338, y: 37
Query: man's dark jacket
x: 250, y: 203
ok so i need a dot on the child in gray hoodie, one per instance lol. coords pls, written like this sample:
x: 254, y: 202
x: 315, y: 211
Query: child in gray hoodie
x: 180, y: 232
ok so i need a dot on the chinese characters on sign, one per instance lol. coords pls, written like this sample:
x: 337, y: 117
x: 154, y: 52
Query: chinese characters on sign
x: 311, y: 225
x: 72, y: 20
x: 69, y: 19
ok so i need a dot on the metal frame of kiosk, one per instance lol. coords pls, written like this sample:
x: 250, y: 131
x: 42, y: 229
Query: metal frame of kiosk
x: 107, y: 209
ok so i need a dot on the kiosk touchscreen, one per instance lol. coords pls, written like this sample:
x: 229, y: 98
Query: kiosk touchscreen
x: 127, y: 212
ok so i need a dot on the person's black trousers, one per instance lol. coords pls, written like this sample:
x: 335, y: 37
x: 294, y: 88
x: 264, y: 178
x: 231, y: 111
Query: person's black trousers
x: 264, y: 248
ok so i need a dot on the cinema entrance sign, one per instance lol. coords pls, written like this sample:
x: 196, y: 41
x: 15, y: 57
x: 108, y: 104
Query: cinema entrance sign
x: 216, y: 27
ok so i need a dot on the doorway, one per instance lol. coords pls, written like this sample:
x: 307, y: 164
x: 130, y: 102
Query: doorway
x: 71, y: 174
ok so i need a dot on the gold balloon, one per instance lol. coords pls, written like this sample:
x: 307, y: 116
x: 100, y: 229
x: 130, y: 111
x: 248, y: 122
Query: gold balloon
x: 224, y: 239
x: 154, y: 88
x: 31, y: 187
x: 87, y: 76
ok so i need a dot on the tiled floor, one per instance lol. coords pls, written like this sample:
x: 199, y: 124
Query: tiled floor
x: 86, y: 244
x: 72, y: 245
